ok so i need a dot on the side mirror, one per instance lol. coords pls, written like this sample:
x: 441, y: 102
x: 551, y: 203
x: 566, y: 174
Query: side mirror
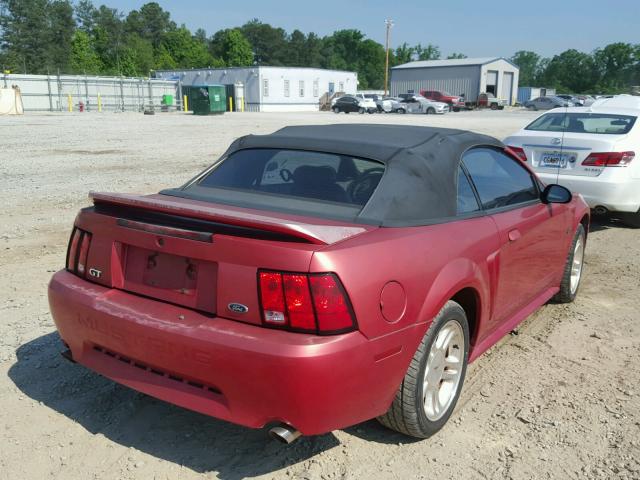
x: 555, y: 193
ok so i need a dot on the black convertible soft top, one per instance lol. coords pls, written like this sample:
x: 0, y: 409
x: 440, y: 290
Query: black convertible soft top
x: 419, y: 185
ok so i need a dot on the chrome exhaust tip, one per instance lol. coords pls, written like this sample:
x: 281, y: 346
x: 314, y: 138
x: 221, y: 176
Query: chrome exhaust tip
x: 284, y: 434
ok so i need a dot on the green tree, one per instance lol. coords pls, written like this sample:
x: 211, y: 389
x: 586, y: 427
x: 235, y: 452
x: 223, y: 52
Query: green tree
x: 232, y: 48
x: 403, y: 54
x: 186, y: 51
x: 614, y: 64
x: 151, y: 22
x: 530, y: 65
x: 85, y: 13
x: 269, y: 43
x: 84, y: 58
x: 456, y: 55
x: 59, y: 34
x: 571, y: 71
x: 430, y: 52
x: 23, y: 34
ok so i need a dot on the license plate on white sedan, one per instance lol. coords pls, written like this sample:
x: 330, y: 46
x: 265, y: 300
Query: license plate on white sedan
x: 556, y: 159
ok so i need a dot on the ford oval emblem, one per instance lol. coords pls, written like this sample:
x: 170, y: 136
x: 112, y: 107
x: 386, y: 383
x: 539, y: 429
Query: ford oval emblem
x: 238, y: 308
x: 556, y: 141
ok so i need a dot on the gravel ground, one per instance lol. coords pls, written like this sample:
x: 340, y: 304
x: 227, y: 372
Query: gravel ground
x: 561, y: 399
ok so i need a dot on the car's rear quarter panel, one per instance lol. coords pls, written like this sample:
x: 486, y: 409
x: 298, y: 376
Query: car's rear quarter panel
x: 431, y: 263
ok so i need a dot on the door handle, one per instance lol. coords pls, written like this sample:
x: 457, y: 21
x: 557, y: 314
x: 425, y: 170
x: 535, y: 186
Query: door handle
x: 514, y: 235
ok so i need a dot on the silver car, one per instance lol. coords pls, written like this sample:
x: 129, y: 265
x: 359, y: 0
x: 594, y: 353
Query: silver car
x: 547, y: 103
x: 419, y: 104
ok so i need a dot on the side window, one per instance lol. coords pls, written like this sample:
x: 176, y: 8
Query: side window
x: 467, y: 201
x: 499, y: 179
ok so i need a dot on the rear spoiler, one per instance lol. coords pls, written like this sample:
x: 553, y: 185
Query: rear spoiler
x: 324, y: 232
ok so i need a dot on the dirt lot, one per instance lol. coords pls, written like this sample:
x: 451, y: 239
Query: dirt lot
x: 559, y: 400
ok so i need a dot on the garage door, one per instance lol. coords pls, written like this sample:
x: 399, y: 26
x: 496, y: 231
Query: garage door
x: 507, y: 87
x: 492, y: 82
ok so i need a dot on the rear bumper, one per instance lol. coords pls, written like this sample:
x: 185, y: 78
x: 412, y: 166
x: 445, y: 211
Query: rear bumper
x: 615, y: 194
x: 242, y: 373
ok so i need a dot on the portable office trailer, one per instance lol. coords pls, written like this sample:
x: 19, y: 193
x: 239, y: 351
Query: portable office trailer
x: 272, y: 89
x: 529, y: 93
x: 465, y: 76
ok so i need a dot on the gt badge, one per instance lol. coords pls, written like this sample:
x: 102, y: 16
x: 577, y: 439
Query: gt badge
x: 94, y: 272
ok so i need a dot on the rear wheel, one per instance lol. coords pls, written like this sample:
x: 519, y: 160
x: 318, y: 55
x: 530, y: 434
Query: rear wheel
x: 573, y: 269
x: 336, y: 110
x: 431, y: 387
x: 401, y: 110
x: 361, y: 110
x: 494, y: 106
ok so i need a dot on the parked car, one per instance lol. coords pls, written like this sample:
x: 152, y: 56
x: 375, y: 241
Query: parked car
x: 348, y: 104
x: 419, y: 104
x: 590, y: 151
x: 388, y: 104
x: 263, y: 291
x: 488, y: 100
x: 570, y: 98
x: 547, y: 103
x: 455, y: 102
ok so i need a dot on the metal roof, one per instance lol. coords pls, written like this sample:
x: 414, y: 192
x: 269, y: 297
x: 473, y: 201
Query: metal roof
x: 452, y: 62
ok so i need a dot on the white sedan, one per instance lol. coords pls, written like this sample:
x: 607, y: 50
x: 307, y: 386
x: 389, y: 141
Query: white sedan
x: 589, y: 150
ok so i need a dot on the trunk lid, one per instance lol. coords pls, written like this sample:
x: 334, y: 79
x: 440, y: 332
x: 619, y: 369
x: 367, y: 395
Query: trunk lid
x: 196, y: 254
x: 551, y: 152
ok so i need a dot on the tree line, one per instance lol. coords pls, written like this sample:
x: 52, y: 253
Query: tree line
x: 58, y: 36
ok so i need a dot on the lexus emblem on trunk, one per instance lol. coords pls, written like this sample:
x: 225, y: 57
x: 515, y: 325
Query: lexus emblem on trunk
x: 238, y: 308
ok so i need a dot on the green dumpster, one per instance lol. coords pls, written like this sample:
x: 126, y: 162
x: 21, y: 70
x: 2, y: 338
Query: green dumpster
x: 207, y: 99
x: 167, y: 100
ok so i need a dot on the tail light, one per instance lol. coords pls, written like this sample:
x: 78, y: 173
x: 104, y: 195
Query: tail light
x: 78, y: 251
x: 518, y: 152
x: 312, y: 303
x: 609, y: 159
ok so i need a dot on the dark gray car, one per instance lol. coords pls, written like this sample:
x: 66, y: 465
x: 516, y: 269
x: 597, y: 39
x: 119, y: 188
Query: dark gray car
x: 547, y: 103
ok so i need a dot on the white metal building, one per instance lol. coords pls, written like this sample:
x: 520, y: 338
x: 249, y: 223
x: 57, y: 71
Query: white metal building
x: 272, y: 89
x: 468, y: 76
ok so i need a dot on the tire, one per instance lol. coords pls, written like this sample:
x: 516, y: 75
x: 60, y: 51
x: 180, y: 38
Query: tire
x: 401, y: 111
x: 431, y: 111
x: 568, y: 287
x: 361, y: 110
x: 409, y: 413
x: 336, y: 109
x: 370, y: 111
x: 493, y: 106
x: 631, y: 219
x: 456, y: 109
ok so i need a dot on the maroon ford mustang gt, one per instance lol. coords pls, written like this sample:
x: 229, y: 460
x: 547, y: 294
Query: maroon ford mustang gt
x: 320, y: 276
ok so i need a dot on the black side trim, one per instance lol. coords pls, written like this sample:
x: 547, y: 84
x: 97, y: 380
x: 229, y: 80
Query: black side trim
x: 191, y: 224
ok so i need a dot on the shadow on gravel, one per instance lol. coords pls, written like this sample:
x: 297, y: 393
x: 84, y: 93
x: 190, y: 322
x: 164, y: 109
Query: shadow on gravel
x: 605, y: 222
x: 131, y: 419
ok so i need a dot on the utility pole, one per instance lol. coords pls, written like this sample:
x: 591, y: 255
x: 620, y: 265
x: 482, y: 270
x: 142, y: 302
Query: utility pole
x: 389, y: 24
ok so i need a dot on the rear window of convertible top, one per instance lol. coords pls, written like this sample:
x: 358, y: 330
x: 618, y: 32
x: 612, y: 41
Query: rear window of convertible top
x: 299, y: 181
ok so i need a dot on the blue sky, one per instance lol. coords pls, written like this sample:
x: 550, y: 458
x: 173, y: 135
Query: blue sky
x: 477, y: 29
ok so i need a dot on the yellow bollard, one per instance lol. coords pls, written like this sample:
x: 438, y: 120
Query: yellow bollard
x: 231, y: 104
x: 99, y: 103
x: 185, y: 103
x: 69, y: 102
x: 242, y: 104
